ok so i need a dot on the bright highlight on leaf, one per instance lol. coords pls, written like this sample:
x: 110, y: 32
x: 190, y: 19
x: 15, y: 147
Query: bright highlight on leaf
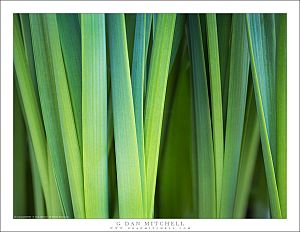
x: 94, y: 119
x: 150, y: 115
x: 127, y: 156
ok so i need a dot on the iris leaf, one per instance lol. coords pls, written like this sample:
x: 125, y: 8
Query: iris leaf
x: 94, y: 115
x: 47, y: 92
x: 126, y: 147
x: 66, y: 116
x: 261, y: 46
x: 156, y: 90
x: 202, y: 122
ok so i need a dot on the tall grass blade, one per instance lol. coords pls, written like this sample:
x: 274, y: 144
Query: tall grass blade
x: 55, y: 211
x: 29, y: 99
x: 38, y: 196
x: 203, y: 131
x: 94, y: 115
x: 260, y: 36
x: 138, y: 76
x: 281, y: 99
x: 264, y: 34
x: 127, y: 157
x: 69, y: 32
x: 26, y: 32
x: 47, y: 92
x: 237, y: 93
x: 68, y: 128
x: 216, y: 101
x: 158, y: 77
x: 249, y: 150
x: 39, y: 201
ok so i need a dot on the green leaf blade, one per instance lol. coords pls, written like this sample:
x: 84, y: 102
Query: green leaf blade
x: 68, y: 128
x: 216, y: 101
x: 249, y: 150
x: 203, y: 132
x: 29, y: 99
x: 69, y: 32
x: 127, y: 159
x: 138, y: 76
x: 56, y: 209
x: 237, y: 93
x: 281, y: 83
x: 156, y: 90
x: 49, y: 106
x: 27, y: 38
x: 94, y: 115
x: 262, y: 82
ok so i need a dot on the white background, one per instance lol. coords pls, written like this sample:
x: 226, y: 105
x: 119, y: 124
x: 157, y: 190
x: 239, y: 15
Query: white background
x: 7, y: 10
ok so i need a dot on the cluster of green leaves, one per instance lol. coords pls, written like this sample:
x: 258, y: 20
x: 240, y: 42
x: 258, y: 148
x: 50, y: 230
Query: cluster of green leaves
x: 150, y: 115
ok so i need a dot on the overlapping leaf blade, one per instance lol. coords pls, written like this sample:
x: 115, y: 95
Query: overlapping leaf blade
x: 202, y: 123
x: 126, y: 147
x: 29, y: 99
x: 67, y: 121
x: 27, y: 38
x: 249, y: 150
x: 237, y: 93
x: 47, y: 92
x: 138, y: 76
x: 113, y: 137
x: 69, y: 32
x: 216, y: 101
x: 260, y: 40
x: 156, y: 90
x: 94, y: 115
x: 39, y: 201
